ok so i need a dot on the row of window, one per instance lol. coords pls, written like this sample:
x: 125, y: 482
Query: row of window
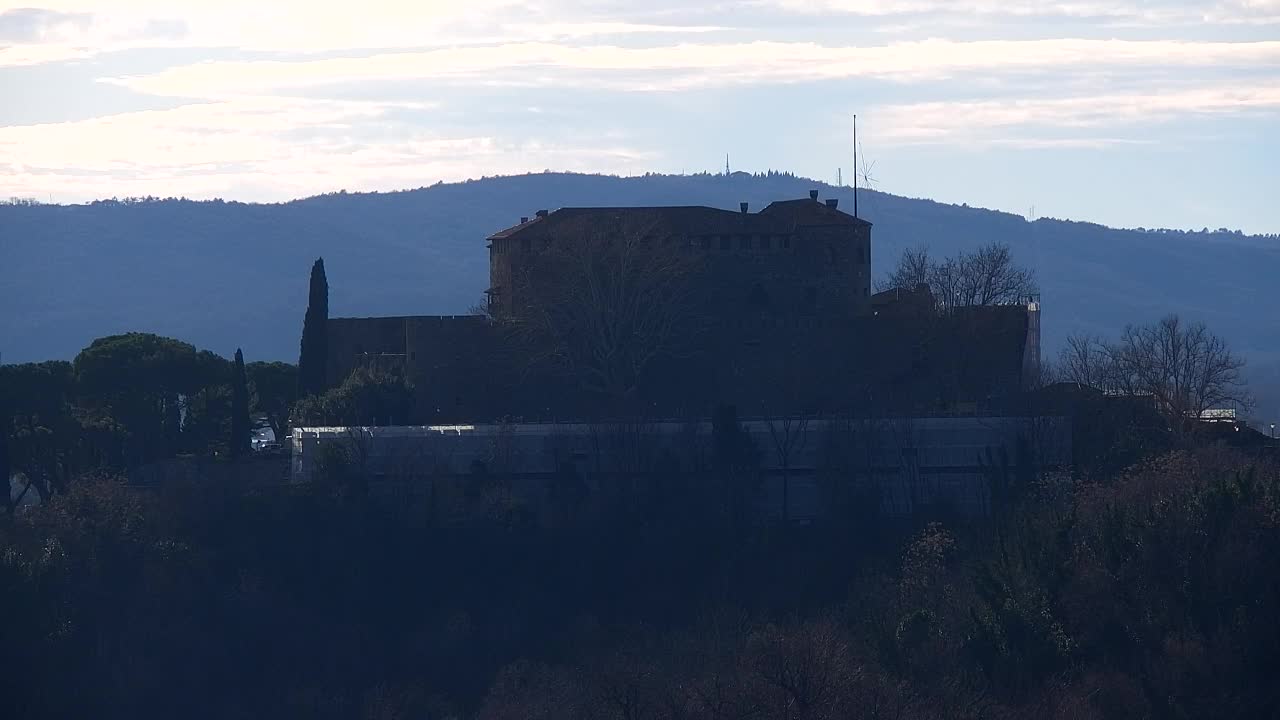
x: 744, y: 242
x: 706, y: 242
x: 721, y: 242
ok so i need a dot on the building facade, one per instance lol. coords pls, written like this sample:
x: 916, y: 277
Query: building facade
x: 794, y: 259
x: 787, y: 324
x: 911, y: 463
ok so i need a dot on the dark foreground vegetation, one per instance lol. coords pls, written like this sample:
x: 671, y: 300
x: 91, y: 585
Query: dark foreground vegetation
x: 1151, y: 593
x: 1144, y: 582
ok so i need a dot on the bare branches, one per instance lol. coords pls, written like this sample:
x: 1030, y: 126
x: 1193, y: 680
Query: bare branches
x: 1183, y: 367
x: 1084, y: 361
x: 987, y: 276
x: 608, y: 304
x: 913, y: 270
x: 1186, y: 368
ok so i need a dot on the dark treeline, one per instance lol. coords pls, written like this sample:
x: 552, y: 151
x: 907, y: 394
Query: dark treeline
x: 1144, y: 583
x: 131, y: 399
x: 1151, y: 593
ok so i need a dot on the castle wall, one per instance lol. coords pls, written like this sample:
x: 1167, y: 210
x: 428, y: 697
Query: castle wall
x: 354, y: 341
x: 782, y: 301
x: 914, y: 462
x: 450, y: 361
x: 820, y: 271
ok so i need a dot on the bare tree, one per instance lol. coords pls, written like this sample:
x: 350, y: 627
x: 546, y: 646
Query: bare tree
x: 987, y: 276
x: 1085, y: 360
x: 990, y: 277
x: 913, y: 270
x: 790, y: 433
x: 1184, y: 367
x: 606, y: 301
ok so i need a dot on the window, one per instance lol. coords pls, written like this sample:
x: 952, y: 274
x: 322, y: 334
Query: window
x: 745, y: 242
x: 726, y: 242
x: 765, y: 242
x: 704, y: 242
x: 786, y: 241
x: 525, y: 245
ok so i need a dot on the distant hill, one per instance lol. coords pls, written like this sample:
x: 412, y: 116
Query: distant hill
x: 225, y: 274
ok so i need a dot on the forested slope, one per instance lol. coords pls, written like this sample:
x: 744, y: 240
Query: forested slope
x: 223, y: 275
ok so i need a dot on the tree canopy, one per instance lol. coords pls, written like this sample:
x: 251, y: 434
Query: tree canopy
x: 315, y: 335
x: 273, y: 388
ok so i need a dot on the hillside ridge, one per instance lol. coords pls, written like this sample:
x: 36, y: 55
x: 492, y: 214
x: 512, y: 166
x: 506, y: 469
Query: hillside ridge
x: 227, y: 274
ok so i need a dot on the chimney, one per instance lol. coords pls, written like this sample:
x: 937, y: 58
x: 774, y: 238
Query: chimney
x: 524, y: 220
x: 833, y: 202
x: 743, y: 208
x: 813, y: 194
x: 541, y: 213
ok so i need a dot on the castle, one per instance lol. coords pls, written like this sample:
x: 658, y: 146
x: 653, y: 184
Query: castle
x: 794, y: 258
x: 786, y: 322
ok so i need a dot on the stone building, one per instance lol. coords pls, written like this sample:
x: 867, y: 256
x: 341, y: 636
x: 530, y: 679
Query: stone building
x: 789, y: 325
x: 794, y: 258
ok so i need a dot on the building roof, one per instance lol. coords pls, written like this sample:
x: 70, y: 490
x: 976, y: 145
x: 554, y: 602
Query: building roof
x: 779, y: 218
x: 809, y: 212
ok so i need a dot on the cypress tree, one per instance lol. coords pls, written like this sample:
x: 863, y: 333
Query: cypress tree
x: 311, y: 359
x: 5, y: 471
x: 239, y: 409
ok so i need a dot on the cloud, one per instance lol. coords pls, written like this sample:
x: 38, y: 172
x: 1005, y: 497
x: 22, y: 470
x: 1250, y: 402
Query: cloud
x: 684, y: 66
x: 1244, y: 12
x: 272, y: 148
x: 38, y: 25
x: 1007, y: 122
x: 289, y: 26
x: 33, y: 36
x: 20, y: 55
x: 1120, y: 13
x: 83, y: 28
x: 596, y: 29
x: 265, y: 110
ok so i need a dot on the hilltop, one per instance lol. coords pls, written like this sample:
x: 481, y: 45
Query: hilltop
x: 227, y: 274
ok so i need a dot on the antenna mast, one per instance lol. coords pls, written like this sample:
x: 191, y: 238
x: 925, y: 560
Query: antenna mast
x: 726, y: 164
x: 855, y: 165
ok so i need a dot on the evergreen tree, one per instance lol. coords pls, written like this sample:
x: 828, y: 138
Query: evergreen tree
x: 311, y: 360
x: 5, y: 472
x: 239, y: 409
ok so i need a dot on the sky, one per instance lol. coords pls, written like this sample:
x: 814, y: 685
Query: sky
x: 1132, y: 113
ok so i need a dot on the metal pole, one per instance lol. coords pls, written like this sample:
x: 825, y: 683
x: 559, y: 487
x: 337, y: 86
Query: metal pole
x: 855, y: 165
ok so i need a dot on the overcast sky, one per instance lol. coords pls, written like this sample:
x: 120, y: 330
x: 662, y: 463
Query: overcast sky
x: 1126, y: 112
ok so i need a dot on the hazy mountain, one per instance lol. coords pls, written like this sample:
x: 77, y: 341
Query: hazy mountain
x: 224, y: 275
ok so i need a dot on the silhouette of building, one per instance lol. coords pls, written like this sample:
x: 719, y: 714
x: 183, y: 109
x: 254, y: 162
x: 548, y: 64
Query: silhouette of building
x: 798, y: 258
x: 788, y: 325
